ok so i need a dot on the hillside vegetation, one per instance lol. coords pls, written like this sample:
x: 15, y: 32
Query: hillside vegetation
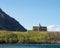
x: 29, y: 37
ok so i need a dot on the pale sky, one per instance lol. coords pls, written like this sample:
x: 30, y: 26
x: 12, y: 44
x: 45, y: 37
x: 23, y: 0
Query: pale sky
x: 30, y: 13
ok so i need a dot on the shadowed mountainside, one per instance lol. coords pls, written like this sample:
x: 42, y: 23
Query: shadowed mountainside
x: 9, y: 23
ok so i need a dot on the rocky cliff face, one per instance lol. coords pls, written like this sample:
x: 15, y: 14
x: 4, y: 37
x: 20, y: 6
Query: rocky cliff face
x: 9, y: 23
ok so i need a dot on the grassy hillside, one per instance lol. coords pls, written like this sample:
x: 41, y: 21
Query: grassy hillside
x: 29, y: 37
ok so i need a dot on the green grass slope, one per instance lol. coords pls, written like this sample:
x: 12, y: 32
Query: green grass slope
x: 30, y: 37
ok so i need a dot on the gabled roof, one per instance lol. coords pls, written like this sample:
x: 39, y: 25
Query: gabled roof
x: 35, y: 26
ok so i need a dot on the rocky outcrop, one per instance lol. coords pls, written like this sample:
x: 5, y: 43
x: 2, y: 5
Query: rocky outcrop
x: 9, y: 23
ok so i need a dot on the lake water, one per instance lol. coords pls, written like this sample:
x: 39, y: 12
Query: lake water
x: 29, y: 45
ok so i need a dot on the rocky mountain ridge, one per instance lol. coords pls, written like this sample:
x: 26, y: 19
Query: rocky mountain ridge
x: 9, y: 23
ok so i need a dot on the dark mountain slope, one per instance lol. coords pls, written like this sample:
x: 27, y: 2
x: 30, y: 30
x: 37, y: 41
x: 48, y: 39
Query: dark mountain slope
x: 9, y: 23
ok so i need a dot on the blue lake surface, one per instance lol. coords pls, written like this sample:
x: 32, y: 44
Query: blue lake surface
x: 29, y: 45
